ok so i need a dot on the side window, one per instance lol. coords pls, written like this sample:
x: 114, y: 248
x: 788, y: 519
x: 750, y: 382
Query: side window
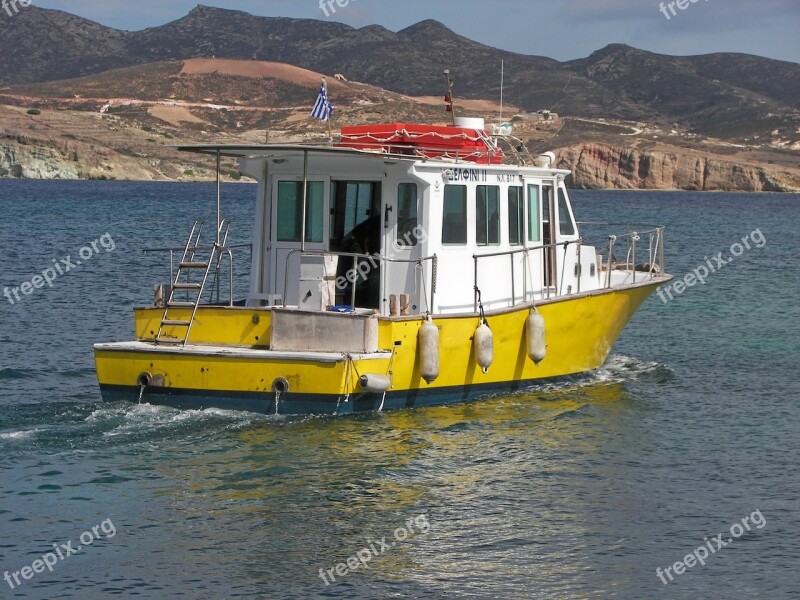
x: 534, y: 216
x: 407, y: 214
x: 516, y: 216
x: 565, y: 224
x: 487, y: 215
x: 290, y: 211
x: 454, y: 216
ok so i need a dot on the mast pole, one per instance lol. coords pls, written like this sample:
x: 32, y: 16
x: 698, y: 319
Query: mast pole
x: 502, y: 83
x: 305, y: 201
x: 451, y: 105
x: 219, y: 194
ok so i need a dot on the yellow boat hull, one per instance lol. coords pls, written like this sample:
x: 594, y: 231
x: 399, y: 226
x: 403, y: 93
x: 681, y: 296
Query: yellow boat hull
x: 227, y: 362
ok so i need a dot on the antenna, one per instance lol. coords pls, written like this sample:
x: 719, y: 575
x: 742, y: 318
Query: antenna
x: 451, y: 106
x: 502, y: 83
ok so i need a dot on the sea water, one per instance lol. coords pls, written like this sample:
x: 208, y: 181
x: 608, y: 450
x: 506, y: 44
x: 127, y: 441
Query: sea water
x: 582, y: 490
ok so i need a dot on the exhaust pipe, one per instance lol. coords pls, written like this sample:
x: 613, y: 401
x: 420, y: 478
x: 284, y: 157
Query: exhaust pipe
x: 280, y: 385
x: 145, y: 379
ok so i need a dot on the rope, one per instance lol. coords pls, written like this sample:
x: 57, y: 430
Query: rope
x: 563, y: 268
x: 413, y: 136
x: 346, y: 379
x: 388, y: 374
x: 355, y: 368
x: 424, y: 287
x: 480, y: 306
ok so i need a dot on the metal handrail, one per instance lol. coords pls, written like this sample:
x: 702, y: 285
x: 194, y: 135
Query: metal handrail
x: 525, y: 250
x: 356, y: 257
x: 649, y: 227
x: 222, y: 250
x: 173, y: 250
x: 516, y: 150
x: 655, y: 237
x: 147, y: 251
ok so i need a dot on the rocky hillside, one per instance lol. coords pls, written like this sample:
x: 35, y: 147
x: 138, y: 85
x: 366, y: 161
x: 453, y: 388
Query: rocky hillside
x: 618, y: 81
x: 80, y: 100
x: 598, y: 166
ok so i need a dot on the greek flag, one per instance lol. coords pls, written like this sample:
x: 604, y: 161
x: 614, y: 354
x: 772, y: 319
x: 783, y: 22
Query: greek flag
x: 323, y: 107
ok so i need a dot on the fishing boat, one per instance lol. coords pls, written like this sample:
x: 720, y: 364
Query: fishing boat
x: 405, y: 265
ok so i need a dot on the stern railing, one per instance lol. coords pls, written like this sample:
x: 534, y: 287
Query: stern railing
x: 222, y: 251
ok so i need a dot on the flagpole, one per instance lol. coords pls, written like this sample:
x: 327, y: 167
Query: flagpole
x: 330, y: 114
x: 323, y: 109
x: 330, y: 135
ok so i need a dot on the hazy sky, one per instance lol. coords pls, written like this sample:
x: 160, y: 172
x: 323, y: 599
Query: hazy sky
x: 561, y: 29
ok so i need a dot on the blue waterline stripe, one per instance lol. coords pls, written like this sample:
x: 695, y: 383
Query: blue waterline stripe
x: 292, y: 403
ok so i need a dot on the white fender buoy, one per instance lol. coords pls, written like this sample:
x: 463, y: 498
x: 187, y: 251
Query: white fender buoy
x: 374, y: 382
x: 429, y: 351
x: 483, y: 341
x: 534, y: 330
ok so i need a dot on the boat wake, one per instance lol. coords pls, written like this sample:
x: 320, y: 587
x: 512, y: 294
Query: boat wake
x: 147, y: 419
x: 92, y: 428
x: 18, y: 435
x: 620, y: 369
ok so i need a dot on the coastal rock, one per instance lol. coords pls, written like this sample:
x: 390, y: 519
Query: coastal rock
x: 27, y: 157
x: 601, y: 166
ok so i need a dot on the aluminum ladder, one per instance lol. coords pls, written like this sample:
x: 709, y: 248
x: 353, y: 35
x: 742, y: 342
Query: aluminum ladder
x: 183, y: 282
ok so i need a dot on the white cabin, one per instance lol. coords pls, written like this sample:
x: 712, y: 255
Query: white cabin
x: 390, y: 226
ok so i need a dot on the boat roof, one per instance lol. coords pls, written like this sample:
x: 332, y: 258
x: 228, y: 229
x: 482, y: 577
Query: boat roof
x: 272, y: 151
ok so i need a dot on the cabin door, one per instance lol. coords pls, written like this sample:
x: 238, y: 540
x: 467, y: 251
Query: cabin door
x: 401, y: 243
x: 287, y: 228
x: 538, y: 260
x: 549, y: 234
x: 356, y: 227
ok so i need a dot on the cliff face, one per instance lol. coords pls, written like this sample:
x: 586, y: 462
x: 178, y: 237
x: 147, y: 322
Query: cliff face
x: 20, y: 158
x: 28, y: 157
x: 593, y: 166
x: 598, y: 166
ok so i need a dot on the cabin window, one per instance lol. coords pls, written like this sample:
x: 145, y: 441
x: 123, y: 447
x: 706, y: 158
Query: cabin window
x: 356, y: 217
x: 487, y: 215
x: 516, y: 216
x: 454, y: 216
x: 407, y: 214
x: 565, y: 224
x: 534, y: 217
x: 290, y: 211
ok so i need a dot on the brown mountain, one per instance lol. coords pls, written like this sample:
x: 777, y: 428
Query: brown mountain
x: 84, y: 100
x: 709, y: 93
